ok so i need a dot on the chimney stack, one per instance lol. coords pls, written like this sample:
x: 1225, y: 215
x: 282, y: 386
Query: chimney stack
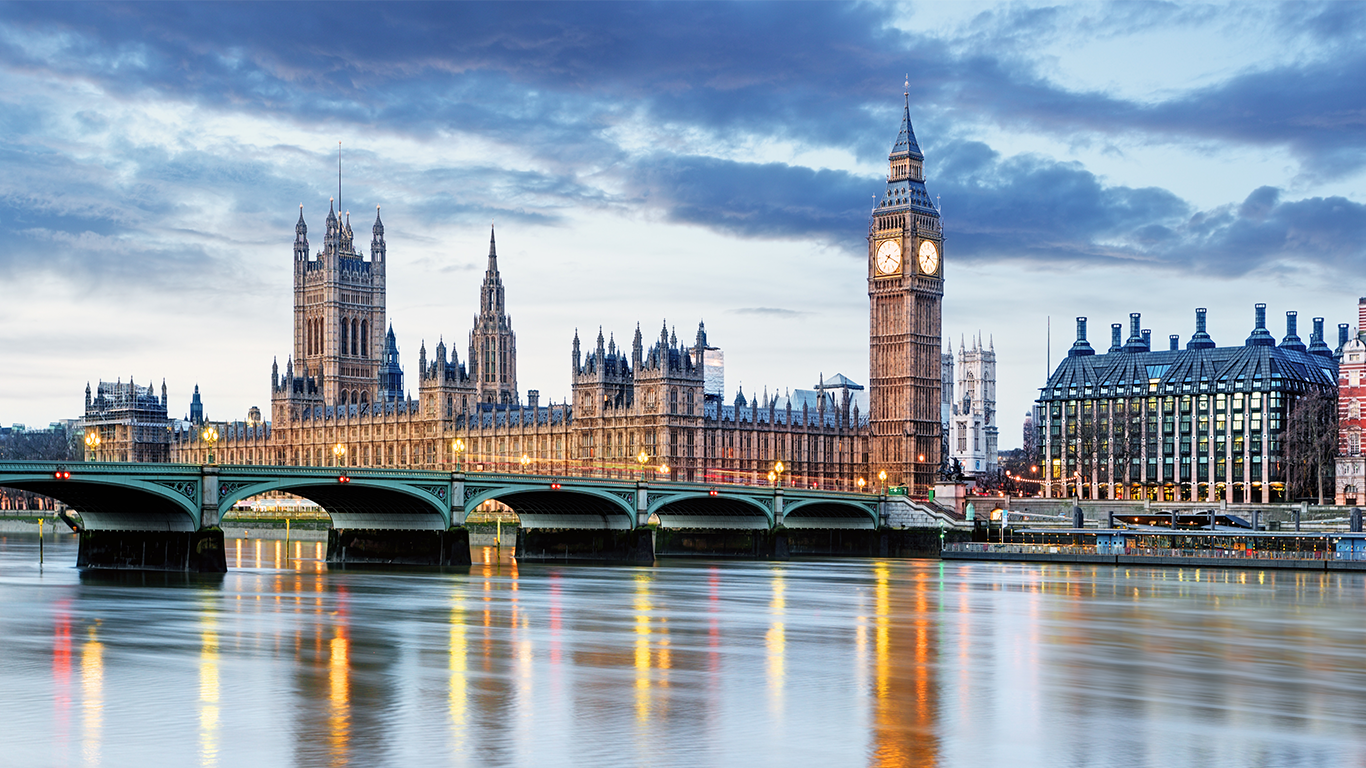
x: 1201, y: 339
x: 1292, y: 337
x: 1081, y: 347
x: 1260, y: 336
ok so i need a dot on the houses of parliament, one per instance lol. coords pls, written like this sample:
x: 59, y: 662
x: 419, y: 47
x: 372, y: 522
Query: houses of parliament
x: 657, y: 410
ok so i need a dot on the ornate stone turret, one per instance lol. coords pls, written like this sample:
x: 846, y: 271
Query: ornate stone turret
x: 377, y: 247
x: 301, y: 237
x: 390, y: 374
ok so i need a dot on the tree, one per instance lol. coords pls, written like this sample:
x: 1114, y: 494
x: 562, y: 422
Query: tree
x: 1311, y: 443
x: 38, y: 445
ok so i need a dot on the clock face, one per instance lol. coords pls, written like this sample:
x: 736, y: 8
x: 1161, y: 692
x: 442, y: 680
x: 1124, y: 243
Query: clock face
x: 888, y: 259
x: 929, y: 257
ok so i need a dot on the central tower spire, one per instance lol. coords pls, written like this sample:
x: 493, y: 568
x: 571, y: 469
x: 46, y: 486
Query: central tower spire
x: 493, y: 345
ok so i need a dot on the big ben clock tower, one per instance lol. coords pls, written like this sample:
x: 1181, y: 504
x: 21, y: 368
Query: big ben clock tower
x: 905, y: 290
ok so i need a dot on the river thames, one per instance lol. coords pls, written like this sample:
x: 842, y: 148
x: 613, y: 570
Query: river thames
x: 687, y: 663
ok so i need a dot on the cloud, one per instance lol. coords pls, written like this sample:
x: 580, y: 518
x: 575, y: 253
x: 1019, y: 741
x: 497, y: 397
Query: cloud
x: 753, y: 200
x: 769, y: 312
x: 557, y: 77
x: 552, y: 84
x: 1022, y: 208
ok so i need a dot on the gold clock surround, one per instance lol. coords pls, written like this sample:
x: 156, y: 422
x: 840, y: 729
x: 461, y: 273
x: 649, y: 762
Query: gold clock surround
x: 928, y: 258
x: 887, y: 259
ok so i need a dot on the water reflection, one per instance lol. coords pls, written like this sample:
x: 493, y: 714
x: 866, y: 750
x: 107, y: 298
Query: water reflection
x: 880, y: 663
x: 775, y: 642
x: 208, y: 684
x: 92, y: 696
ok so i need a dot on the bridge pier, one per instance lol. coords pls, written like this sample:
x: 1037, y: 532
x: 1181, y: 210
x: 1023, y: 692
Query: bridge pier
x: 186, y: 551
x: 359, y: 546
x: 636, y: 545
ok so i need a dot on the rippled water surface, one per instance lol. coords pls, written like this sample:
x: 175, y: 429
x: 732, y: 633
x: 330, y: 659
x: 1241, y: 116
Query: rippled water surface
x: 687, y: 663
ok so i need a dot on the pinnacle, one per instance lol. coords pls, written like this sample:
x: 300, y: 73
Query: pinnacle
x: 905, y: 139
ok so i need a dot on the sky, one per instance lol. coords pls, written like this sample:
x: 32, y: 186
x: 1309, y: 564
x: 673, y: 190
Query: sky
x: 663, y: 163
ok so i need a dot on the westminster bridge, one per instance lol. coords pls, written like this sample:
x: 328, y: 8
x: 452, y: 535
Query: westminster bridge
x: 166, y: 516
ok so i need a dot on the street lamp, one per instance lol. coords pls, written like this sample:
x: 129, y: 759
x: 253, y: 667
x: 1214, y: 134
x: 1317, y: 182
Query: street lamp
x: 664, y: 470
x: 861, y: 483
x: 526, y: 462
x: 882, y: 478
x: 92, y: 442
x: 778, y: 470
x: 459, y: 448
x: 772, y: 478
x: 210, y: 436
x: 338, y: 453
x: 642, y: 458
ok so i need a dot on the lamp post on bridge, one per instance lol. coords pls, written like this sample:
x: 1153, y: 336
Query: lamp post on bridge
x: 339, y: 453
x: 642, y: 458
x: 861, y: 483
x: 210, y: 436
x: 92, y: 443
x: 525, y: 462
x: 458, y: 447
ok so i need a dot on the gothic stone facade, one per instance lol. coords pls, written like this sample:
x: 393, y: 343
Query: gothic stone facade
x: 130, y: 422
x: 905, y: 291
x: 342, y: 405
x: 973, y: 434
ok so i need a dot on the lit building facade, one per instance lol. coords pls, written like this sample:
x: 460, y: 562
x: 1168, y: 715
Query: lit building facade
x: 1203, y: 423
x: 973, y: 434
x: 125, y: 422
x: 340, y: 399
x: 662, y: 402
x: 1351, y: 464
x: 905, y: 293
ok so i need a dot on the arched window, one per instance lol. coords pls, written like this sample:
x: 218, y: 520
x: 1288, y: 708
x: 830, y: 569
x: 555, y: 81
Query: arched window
x: 355, y: 340
x: 345, y: 326
x: 364, y: 397
x: 365, y: 338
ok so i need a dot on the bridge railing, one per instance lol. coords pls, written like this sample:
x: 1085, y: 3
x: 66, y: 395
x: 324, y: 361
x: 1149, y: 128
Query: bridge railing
x: 547, y: 469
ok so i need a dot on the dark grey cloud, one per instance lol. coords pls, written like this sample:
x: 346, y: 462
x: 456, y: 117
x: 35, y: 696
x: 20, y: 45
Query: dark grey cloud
x: 753, y: 200
x: 1023, y: 208
x: 556, y: 75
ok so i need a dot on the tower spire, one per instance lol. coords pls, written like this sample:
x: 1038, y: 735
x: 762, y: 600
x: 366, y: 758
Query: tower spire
x: 905, y: 139
x: 339, y: 195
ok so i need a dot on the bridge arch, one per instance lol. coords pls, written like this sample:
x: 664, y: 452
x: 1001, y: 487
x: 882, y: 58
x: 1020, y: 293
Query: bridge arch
x: 541, y: 506
x: 361, y: 502
x: 701, y: 509
x: 829, y: 513
x: 115, y: 501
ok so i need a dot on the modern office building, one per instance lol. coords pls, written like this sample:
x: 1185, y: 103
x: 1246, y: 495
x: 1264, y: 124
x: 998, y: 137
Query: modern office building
x: 1202, y: 423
